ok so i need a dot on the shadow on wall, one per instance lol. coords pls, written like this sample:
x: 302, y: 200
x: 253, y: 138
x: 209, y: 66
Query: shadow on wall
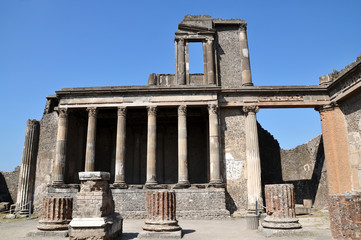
x: 302, y: 166
x: 4, y: 190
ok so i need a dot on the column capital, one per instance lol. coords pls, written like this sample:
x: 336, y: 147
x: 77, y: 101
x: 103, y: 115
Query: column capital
x: 209, y: 40
x: 250, y: 108
x: 182, y: 110
x: 152, y: 110
x: 93, y: 111
x: 327, y: 107
x: 63, y: 112
x: 212, y: 109
x: 122, y: 111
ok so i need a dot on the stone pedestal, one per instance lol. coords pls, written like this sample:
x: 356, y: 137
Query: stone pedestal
x: 161, y: 219
x: 280, y: 207
x: 345, y: 215
x: 94, y: 216
x: 56, y: 213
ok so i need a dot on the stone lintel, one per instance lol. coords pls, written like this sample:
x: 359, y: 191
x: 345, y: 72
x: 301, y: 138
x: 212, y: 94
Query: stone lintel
x: 85, y: 176
x: 160, y: 235
x: 94, y: 222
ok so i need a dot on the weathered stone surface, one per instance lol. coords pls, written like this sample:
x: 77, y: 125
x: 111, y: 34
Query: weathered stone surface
x: 345, y: 215
x: 280, y: 207
x: 94, y: 217
x: 56, y: 214
x: 9, y: 185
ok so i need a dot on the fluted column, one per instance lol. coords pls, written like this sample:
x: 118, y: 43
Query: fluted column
x: 180, y: 65
x: 61, y: 140
x: 28, y: 165
x: 210, y: 62
x: 253, y: 159
x: 245, y: 63
x: 120, y: 147
x: 182, y: 146
x: 91, y: 139
x: 215, y: 171
x: 56, y: 213
x: 151, y: 145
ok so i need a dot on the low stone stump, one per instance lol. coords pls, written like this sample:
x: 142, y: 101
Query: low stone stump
x: 56, y: 214
x: 95, y: 217
x: 345, y: 215
x: 280, y: 209
x: 161, y: 222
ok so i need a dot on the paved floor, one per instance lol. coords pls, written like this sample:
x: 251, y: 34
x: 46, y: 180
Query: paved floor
x: 229, y: 229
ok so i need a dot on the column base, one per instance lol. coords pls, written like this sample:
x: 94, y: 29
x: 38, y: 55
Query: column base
x: 119, y: 185
x: 57, y: 183
x: 247, y: 84
x: 216, y: 184
x: 184, y: 184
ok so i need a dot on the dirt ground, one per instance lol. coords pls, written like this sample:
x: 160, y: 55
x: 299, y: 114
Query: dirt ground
x: 315, y: 227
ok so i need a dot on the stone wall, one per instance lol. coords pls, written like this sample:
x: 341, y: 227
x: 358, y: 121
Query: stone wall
x: 352, y: 110
x: 192, y: 203
x: 303, y: 166
x: 233, y: 147
x: 46, y: 156
x: 9, y: 185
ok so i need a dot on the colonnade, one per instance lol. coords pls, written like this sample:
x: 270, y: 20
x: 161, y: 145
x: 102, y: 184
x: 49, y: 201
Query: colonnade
x: 183, y: 181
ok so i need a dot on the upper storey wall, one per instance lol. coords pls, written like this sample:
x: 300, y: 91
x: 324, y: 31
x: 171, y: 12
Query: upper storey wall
x: 225, y: 53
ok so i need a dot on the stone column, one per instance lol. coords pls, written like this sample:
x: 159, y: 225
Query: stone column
x: 56, y: 213
x: 180, y: 70
x: 151, y: 145
x: 254, y: 186
x: 245, y: 64
x: 120, y: 147
x: 215, y: 171
x: 61, y: 141
x: 161, y: 219
x: 280, y: 207
x: 91, y: 140
x: 28, y: 165
x: 182, y: 147
x: 210, y: 62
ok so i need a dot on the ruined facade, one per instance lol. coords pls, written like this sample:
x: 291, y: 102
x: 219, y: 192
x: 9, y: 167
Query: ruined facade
x: 194, y: 133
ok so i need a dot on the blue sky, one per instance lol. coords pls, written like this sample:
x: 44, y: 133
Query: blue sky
x: 48, y: 45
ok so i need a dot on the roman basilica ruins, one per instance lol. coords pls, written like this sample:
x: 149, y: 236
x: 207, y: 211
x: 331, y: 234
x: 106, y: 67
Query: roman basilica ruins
x: 196, y: 134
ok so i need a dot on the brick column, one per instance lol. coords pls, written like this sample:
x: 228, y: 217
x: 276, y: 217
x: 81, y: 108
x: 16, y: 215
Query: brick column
x: 28, y: 166
x: 91, y: 140
x: 254, y: 186
x: 120, y: 147
x: 182, y: 147
x: 152, y: 146
x: 161, y: 219
x: 280, y: 207
x: 215, y: 171
x: 335, y: 144
x: 94, y: 216
x: 56, y: 213
x: 245, y: 64
x: 61, y: 141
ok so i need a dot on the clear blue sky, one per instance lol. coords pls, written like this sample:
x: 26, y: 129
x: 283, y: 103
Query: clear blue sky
x: 48, y: 45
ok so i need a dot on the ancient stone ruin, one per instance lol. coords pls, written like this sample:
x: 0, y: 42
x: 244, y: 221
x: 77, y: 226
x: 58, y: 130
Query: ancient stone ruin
x: 196, y: 134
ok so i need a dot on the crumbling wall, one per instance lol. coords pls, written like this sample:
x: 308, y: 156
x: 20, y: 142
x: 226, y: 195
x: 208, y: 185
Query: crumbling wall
x: 352, y: 110
x: 46, y: 156
x: 233, y: 147
x: 9, y: 185
x: 305, y: 167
